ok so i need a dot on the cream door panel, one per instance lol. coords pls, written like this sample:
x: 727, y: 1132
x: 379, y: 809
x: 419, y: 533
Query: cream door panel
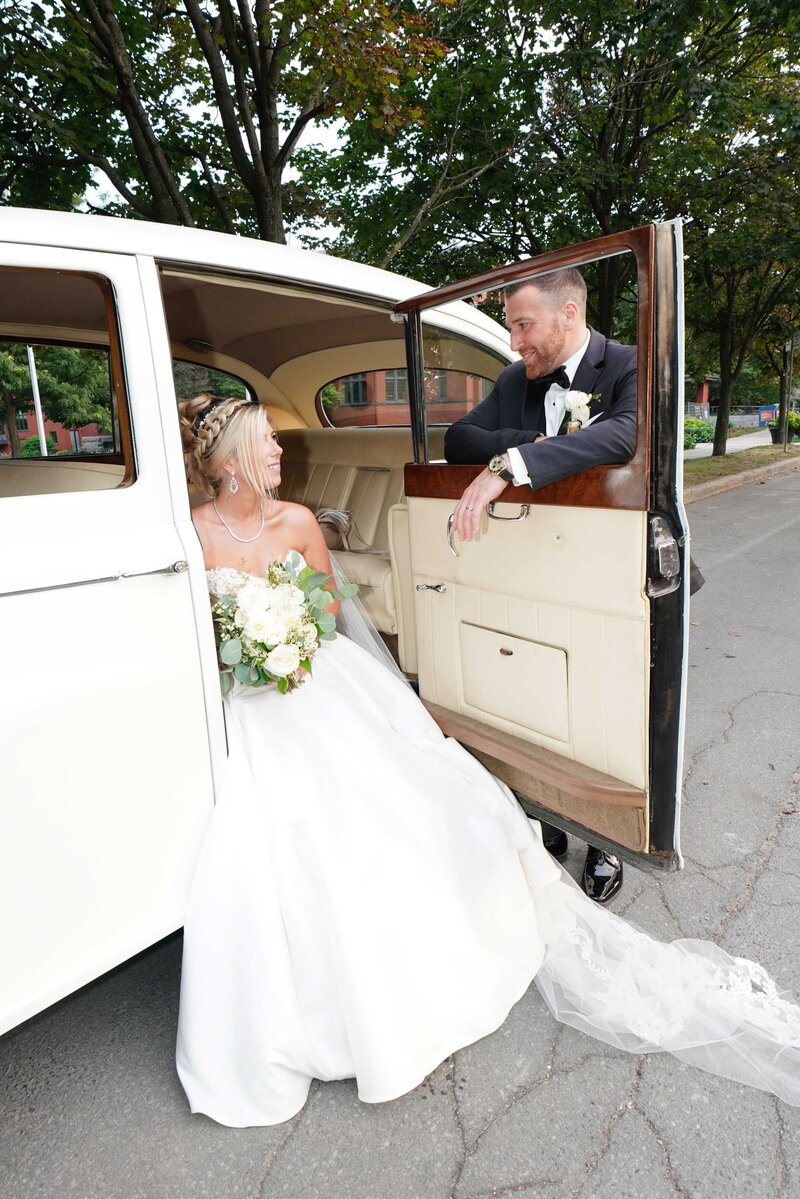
x: 565, y: 579
x: 515, y: 679
x: 400, y: 556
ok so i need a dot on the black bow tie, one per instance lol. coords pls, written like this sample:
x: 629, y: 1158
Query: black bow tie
x: 559, y: 376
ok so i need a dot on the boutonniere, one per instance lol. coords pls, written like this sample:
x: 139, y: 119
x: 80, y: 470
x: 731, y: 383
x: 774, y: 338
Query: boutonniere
x: 577, y: 405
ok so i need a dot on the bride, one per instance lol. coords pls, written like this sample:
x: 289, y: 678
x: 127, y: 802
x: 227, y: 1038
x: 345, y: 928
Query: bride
x: 369, y: 899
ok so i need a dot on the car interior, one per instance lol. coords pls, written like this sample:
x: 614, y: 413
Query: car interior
x: 565, y: 723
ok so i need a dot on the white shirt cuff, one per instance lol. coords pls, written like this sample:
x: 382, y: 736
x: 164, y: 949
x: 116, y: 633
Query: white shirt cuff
x: 518, y: 468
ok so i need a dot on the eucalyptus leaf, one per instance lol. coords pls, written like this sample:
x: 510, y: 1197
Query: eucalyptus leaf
x: 255, y: 676
x: 225, y: 681
x: 230, y: 652
x: 242, y: 672
x: 327, y: 622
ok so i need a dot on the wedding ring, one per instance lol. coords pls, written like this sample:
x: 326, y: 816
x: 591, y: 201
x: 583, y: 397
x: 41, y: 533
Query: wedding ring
x: 468, y: 509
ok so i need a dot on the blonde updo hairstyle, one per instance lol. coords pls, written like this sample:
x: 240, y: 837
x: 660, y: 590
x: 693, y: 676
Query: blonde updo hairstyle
x: 216, y: 429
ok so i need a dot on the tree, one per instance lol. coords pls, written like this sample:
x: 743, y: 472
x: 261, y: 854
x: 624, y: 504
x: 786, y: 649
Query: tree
x: 73, y: 387
x: 744, y: 242
x: 549, y: 124
x: 192, y: 112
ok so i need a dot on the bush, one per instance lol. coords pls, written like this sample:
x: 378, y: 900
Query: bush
x: 32, y: 447
x: 696, y: 431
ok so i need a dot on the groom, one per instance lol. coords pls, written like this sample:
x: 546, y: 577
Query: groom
x: 517, y: 428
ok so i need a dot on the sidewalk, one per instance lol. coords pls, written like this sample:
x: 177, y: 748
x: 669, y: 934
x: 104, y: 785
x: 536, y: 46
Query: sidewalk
x: 759, y: 474
x: 746, y: 442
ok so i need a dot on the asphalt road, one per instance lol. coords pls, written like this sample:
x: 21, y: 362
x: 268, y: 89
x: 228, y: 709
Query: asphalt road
x: 90, y: 1106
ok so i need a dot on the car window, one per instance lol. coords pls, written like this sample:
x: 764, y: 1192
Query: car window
x: 192, y: 378
x: 64, y: 419
x: 381, y: 397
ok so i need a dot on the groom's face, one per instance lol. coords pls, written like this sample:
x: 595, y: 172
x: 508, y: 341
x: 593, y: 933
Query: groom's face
x: 539, y: 332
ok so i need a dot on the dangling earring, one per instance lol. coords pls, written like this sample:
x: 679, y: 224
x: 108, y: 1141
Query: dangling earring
x: 233, y: 485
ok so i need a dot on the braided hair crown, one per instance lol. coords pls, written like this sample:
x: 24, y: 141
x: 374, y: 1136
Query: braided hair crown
x: 211, y: 433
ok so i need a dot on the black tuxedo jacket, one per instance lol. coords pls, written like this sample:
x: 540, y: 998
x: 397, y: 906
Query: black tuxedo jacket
x: 508, y: 417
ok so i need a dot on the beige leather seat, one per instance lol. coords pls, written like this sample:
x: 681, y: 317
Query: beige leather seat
x: 361, y: 471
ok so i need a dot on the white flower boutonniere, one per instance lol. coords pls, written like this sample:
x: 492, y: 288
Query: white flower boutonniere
x: 577, y: 405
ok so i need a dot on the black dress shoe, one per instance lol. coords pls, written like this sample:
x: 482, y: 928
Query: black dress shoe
x: 555, y: 842
x: 602, y: 875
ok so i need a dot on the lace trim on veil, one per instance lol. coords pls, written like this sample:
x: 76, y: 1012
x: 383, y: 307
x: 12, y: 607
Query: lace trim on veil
x: 687, y: 997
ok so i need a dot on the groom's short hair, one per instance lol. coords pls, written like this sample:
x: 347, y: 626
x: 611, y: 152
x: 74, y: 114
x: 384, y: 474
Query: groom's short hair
x: 558, y: 286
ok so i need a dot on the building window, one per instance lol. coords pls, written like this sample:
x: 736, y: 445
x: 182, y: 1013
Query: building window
x: 396, y: 387
x: 355, y: 390
x: 22, y: 421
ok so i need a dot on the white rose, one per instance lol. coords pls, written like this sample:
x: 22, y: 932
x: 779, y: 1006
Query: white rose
x: 252, y: 596
x: 270, y: 627
x: 580, y: 413
x: 283, y: 660
x: 289, y: 598
x: 577, y: 397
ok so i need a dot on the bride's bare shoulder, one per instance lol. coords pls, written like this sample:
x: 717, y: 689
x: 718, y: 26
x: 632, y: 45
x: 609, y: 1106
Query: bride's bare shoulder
x: 295, y: 516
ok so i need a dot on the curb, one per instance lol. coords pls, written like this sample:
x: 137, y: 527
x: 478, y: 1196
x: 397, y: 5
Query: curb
x: 702, y: 491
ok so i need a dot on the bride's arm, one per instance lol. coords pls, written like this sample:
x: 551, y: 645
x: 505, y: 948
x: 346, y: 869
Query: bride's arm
x: 313, y: 548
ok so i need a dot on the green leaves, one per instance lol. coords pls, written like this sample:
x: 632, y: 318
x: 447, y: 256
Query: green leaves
x: 230, y: 652
x: 156, y: 97
x: 346, y: 591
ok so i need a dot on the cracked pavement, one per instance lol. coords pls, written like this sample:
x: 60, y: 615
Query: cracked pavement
x: 91, y: 1106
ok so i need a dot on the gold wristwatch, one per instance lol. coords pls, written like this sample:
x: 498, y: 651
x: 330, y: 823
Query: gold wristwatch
x: 497, y: 466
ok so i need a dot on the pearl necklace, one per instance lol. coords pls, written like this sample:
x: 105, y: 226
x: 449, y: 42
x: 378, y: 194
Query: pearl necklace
x: 236, y: 536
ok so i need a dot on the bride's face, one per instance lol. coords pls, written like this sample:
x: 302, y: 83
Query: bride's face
x: 273, y: 452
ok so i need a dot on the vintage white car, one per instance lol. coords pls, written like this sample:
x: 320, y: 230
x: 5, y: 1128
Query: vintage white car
x: 552, y: 646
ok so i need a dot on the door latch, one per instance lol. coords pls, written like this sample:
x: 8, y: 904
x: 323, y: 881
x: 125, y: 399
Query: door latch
x: 665, y: 558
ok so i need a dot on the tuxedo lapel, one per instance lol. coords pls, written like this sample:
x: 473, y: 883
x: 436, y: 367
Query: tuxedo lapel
x: 591, y: 364
x: 588, y: 371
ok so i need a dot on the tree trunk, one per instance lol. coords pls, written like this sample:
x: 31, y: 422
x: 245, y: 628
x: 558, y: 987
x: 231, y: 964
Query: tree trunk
x: 611, y: 276
x: 726, y: 379
x: 11, y: 424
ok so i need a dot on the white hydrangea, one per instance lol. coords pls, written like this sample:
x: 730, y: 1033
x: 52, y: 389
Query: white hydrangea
x: 225, y: 580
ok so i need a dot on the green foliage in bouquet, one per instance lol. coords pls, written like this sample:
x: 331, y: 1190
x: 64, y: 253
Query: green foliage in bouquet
x: 269, y: 629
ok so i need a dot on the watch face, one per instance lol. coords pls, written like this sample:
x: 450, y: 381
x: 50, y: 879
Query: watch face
x: 497, y: 464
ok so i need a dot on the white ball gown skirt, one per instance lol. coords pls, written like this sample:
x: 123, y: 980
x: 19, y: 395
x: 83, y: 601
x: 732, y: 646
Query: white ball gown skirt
x: 369, y: 899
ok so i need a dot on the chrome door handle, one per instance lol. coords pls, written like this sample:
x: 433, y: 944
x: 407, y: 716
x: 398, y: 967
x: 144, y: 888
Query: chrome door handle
x: 174, y: 568
x: 524, y: 510
x: 450, y: 521
x: 440, y: 587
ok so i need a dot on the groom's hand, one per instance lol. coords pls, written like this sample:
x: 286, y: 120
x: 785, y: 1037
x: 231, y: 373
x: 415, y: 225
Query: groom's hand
x: 481, y: 492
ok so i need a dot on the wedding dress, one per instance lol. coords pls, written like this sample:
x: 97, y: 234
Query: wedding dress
x: 369, y: 899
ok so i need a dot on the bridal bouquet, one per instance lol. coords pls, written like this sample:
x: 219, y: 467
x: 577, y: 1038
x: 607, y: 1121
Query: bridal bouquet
x: 269, y: 629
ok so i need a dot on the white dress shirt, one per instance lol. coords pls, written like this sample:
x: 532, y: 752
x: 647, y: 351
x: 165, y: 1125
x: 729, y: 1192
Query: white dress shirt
x: 555, y: 408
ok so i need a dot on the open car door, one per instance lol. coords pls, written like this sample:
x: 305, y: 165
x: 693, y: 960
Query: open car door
x: 554, y: 645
